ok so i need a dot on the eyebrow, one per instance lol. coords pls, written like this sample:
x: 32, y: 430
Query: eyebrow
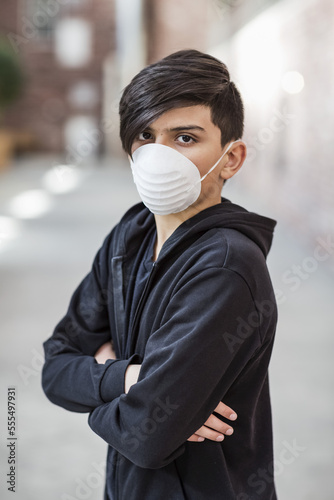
x: 183, y: 127
x: 186, y: 127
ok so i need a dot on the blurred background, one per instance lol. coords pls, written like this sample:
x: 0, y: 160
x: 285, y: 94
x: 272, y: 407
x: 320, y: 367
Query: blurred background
x: 65, y: 182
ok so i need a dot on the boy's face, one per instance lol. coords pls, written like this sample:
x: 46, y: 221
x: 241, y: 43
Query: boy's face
x: 188, y: 130
x: 191, y: 132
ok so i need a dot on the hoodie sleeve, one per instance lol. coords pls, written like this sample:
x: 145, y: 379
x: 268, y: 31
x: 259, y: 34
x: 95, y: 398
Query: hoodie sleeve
x: 205, y: 340
x: 71, y: 377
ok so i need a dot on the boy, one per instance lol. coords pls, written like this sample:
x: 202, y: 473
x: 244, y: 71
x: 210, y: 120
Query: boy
x: 177, y: 316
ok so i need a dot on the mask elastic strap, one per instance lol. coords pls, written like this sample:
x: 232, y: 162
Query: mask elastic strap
x: 212, y: 168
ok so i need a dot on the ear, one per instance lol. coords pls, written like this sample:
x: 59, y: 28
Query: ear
x: 234, y: 160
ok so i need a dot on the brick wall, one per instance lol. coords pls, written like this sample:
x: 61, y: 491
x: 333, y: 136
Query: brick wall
x: 173, y: 25
x: 45, y: 106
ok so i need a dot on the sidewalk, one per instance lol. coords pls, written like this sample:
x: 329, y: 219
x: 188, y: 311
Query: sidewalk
x: 59, y: 458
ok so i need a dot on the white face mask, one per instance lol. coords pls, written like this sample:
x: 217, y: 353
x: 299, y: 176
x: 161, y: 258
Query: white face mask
x: 167, y: 181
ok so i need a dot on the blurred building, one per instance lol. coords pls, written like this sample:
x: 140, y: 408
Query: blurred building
x: 175, y: 25
x: 63, y: 45
x: 79, y: 55
x: 278, y: 53
x: 281, y: 60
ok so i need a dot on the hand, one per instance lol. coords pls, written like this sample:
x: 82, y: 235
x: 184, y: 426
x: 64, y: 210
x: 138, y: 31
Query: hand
x: 104, y: 353
x: 131, y: 376
x: 214, y: 428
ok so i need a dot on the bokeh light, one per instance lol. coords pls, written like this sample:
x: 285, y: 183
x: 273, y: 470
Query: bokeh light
x: 293, y: 82
x: 30, y: 204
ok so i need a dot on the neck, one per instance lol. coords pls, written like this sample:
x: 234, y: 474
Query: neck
x: 167, y: 224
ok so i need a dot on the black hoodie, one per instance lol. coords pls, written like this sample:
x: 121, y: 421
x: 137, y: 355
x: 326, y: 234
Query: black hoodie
x: 203, y: 331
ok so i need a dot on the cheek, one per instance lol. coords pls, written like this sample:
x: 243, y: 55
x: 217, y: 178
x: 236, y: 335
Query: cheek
x: 134, y: 146
x: 204, y: 161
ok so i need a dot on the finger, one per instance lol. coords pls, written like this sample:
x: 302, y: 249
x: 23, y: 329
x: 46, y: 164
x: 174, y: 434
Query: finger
x: 208, y: 433
x: 219, y: 426
x: 196, y: 439
x: 100, y: 349
x: 226, y: 411
x: 104, y: 353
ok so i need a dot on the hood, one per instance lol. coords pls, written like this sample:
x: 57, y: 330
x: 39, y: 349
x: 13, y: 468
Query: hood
x: 225, y: 215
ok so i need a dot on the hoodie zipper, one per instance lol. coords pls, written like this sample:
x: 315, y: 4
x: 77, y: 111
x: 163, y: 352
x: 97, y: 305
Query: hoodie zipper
x: 129, y: 350
x: 117, y: 271
x: 140, y: 306
x: 132, y: 339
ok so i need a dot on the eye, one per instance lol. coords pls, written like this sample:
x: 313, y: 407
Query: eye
x: 186, y: 139
x: 144, y: 136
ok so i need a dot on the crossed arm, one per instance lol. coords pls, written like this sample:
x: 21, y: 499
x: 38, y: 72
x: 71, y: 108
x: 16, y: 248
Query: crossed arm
x: 188, y: 352
x: 213, y: 429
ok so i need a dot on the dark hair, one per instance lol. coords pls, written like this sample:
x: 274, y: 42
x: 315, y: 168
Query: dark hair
x: 185, y: 78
